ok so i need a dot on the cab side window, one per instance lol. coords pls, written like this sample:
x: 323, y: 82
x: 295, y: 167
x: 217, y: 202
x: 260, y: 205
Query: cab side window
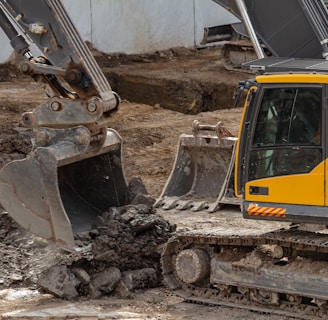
x: 287, y: 137
x: 289, y: 116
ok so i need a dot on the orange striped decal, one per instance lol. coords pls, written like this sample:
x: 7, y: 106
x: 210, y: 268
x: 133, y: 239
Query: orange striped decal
x: 254, y: 210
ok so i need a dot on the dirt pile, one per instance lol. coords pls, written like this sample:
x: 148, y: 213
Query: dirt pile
x: 121, y: 253
x: 126, y: 242
x: 23, y: 256
x: 125, y: 254
x: 181, y: 79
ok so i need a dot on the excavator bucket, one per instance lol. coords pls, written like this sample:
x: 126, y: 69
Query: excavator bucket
x: 59, y: 190
x: 202, y: 176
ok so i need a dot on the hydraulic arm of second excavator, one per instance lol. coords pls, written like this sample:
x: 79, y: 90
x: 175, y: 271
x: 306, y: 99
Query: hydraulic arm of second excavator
x: 74, y: 172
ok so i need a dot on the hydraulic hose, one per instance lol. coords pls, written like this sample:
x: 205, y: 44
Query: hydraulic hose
x: 17, y: 41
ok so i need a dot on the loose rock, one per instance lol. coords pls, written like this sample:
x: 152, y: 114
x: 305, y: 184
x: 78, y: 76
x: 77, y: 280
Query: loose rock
x: 59, y: 281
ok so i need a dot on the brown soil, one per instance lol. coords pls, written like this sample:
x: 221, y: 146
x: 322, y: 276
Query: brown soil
x: 150, y: 134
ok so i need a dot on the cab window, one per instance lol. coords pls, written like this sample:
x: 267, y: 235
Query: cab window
x: 287, y: 138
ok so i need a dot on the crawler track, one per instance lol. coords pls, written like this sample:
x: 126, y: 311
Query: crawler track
x: 283, y: 272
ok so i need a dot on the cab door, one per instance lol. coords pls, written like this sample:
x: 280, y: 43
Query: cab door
x: 283, y: 157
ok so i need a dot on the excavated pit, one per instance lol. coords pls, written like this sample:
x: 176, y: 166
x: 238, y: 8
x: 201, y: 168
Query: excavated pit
x: 189, y: 81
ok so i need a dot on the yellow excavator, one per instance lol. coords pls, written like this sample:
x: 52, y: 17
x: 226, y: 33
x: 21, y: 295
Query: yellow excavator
x: 280, y: 175
x: 278, y: 172
x: 277, y: 165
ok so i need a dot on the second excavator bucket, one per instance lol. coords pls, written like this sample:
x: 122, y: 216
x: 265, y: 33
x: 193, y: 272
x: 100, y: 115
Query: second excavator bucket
x: 202, y: 176
x: 60, y: 190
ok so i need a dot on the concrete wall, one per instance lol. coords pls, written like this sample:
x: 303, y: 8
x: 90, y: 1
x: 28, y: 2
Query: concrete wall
x: 136, y: 26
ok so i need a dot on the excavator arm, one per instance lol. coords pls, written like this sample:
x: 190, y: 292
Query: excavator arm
x: 74, y: 172
x: 66, y: 68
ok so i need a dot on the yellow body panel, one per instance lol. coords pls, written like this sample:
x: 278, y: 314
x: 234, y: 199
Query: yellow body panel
x: 307, y: 189
x: 293, y: 78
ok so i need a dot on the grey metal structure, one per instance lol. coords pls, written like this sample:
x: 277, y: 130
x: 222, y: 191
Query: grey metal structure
x: 288, y: 28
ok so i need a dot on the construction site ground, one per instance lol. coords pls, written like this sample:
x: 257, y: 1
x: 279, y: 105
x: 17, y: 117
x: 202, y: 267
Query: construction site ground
x: 195, y: 81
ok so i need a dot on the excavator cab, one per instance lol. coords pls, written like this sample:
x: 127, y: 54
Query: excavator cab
x: 281, y: 161
x: 74, y: 172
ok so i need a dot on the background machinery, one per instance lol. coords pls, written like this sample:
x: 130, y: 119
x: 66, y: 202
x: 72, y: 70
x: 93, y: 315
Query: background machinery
x: 299, y: 32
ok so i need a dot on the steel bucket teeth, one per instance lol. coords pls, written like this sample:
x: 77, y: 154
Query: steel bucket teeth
x: 59, y: 190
